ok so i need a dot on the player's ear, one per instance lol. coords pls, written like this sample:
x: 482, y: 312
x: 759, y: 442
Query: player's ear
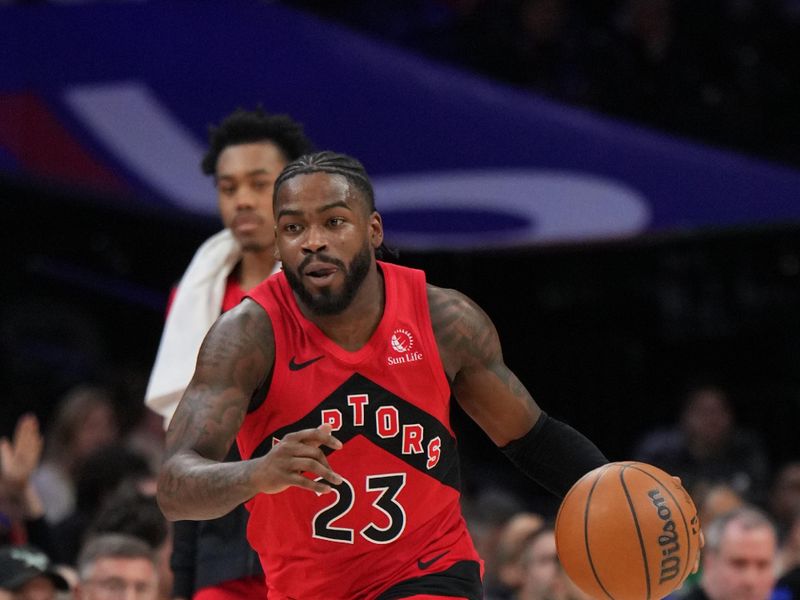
x: 375, y: 229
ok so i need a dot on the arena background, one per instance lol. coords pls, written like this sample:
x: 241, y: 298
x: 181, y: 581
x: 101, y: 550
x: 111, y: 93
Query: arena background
x: 627, y: 257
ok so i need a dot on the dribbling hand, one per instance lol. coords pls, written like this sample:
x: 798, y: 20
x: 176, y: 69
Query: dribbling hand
x: 298, y: 453
x: 696, y: 567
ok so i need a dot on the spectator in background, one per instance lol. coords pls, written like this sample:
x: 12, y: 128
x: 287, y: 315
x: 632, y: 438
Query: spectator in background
x: 131, y: 512
x: 111, y: 564
x: 714, y: 500
x: 784, y: 496
x: 739, y: 558
x: 27, y: 573
x: 99, y: 476
x: 706, y: 446
x: 511, y: 543
x: 21, y: 509
x: 486, y: 515
x: 789, y: 560
x: 246, y: 153
x: 84, y: 421
x: 544, y: 578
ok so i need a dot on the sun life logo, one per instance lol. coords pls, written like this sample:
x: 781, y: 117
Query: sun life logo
x: 402, y: 341
x: 403, y: 344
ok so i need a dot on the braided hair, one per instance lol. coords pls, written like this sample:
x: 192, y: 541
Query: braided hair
x: 337, y: 164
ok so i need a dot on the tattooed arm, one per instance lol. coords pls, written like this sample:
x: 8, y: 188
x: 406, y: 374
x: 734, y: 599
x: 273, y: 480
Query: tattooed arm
x: 547, y: 450
x: 194, y: 482
x: 484, y: 386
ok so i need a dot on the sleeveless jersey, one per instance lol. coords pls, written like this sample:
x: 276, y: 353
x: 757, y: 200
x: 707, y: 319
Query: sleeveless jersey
x: 396, y: 517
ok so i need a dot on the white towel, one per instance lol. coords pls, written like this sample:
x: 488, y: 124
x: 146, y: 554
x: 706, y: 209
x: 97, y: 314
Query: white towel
x: 197, y: 304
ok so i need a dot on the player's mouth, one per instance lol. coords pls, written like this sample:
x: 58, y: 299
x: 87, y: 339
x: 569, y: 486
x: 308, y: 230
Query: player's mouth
x: 320, y: 274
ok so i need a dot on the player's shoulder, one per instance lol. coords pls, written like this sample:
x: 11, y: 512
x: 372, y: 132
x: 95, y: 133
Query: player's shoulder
x: 449, y: 303
x: 247, y: 320
x: 455, y: 317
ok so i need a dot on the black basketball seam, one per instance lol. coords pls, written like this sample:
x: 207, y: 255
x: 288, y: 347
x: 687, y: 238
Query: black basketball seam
x: 586, y: 533
x: 683, y: 516
x: 638, y: 529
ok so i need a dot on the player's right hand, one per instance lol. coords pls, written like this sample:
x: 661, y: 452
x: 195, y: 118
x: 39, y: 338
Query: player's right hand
x: 296, y: 454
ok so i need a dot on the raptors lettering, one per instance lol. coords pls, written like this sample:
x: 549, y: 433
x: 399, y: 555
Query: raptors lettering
x: 386, y: 424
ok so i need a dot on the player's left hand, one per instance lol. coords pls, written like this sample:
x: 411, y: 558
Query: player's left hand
x: 696, y: 567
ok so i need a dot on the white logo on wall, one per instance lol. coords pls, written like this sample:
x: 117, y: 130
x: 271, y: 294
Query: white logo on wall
x: 495, y: 208
x: 402, y: 343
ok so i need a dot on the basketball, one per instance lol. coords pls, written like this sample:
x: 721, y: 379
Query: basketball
x: 627, y: 531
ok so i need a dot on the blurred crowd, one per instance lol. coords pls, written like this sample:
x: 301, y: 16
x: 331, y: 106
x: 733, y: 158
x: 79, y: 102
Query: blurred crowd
x: 722, y: 71
x: 80, y: 492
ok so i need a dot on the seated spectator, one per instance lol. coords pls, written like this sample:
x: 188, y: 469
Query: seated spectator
x: 784, y: 496
x: 544, y: 578
x: 84, y: 421
x: 21, y: 509
x: 714, y: 500
x: 116, y: 566
x: 789, y: 560
x: 131, y: 512
x: 508, y: 554
x: 739, y: 558
x: 99, y: 476
x: 26, y: 573
x: 707, y: 446
x: 486, y: 515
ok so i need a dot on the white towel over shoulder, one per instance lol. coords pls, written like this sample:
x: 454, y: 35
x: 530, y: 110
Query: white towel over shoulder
x: 197, y: 304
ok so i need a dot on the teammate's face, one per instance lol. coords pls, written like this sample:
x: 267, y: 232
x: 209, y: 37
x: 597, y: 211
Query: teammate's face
x: 744, y: 566
x: 245, y: 177
x: 326, y: 238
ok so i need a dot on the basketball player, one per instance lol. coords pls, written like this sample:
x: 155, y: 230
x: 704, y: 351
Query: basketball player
x: 335, y: 377
x: 246, y: 153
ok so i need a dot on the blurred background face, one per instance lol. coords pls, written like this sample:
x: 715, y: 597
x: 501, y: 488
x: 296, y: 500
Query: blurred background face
x: 39, y: 588
x: 120, y: 579
x: 785, y: 497
x: 98, y: 429
x: 245, y: 178
x: 708, y: 417
x: 744, y: 566
x: 542, y: 561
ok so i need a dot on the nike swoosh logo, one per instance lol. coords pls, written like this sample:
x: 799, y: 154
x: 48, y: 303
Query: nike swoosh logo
x: 295, y: 366
x: 425, y: 564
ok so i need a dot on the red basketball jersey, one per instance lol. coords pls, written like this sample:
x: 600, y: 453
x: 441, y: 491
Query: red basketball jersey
x: 396, y: 517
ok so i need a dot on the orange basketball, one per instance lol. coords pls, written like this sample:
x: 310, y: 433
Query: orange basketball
x: 627, y: 531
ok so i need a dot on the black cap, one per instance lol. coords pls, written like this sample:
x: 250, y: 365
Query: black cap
x: 20, y: 564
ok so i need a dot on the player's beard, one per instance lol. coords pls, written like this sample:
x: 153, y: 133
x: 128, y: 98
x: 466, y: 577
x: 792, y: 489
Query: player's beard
x: 327, y: 302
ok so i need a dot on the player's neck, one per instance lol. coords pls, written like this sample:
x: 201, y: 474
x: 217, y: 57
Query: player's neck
x: 353, y: 328
x: 254, y: 268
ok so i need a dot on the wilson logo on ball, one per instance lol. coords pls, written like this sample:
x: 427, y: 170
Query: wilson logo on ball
x: 668, y: 539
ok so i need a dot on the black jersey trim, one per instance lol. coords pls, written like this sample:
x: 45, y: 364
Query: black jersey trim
x: 445, y: 471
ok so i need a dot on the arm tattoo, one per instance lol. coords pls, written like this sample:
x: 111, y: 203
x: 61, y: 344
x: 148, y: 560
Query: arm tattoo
x: 473, y: 358
x: 463, y: 331
x: 237, y: 352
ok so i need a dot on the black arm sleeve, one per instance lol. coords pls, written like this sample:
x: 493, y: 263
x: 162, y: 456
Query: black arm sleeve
x: 554, y: 455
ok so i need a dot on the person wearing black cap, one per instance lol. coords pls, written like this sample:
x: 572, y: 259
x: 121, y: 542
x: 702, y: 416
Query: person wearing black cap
x: 29, y: 574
